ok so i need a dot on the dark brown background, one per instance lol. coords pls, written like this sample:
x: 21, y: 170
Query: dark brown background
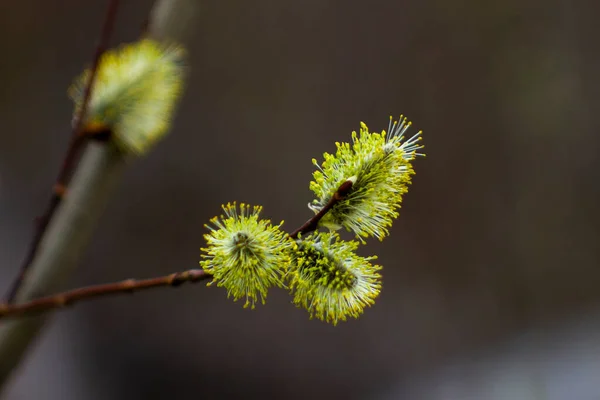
x: 491, y: 281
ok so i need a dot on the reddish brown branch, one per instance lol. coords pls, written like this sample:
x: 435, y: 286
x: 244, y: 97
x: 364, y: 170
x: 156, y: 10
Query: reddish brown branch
x: 313, y: 223
x: 68, y: 164
x: 64, y: 299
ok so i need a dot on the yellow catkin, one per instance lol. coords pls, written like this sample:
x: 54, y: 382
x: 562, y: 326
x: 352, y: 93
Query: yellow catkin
x: 134, y: 94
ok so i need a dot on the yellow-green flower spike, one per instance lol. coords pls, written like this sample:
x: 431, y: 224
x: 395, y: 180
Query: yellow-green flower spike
x: 245, y: 254
x: 330, y: 280
x: 379, y: 166
x: 134, y: 93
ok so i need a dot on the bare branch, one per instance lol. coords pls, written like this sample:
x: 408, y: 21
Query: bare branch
x: 70, y: 297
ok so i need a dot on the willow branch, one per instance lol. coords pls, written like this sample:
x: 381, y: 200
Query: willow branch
x: 70, y: 297
x: 313, y: 223
x: 69, y: 162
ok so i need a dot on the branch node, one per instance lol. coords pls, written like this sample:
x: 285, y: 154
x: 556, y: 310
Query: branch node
x: 128, y: 285
x: 61, y: 301
x: 313, y: 223
x: 343, y: 190
x: 59, y: 190
x: 178, y: 278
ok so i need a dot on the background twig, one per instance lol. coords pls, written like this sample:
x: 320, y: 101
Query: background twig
x: 69, y: 162
x: 63, y: 240
x: 62, y: 245
x: 65, y: 235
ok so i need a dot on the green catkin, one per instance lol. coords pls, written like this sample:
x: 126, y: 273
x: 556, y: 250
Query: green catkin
x: 245, y: 254
x: 330, y: 280
x: 380, y: 167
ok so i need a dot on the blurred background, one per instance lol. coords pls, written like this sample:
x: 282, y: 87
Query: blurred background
x: 491, y: 280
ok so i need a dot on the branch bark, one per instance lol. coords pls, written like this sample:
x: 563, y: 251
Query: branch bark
x: 91, y: 292
x: 313, y: 223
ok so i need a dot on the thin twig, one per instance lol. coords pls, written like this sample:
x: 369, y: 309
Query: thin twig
x: 70, y: 297
x: 69, y: 162
x: 313, y: 222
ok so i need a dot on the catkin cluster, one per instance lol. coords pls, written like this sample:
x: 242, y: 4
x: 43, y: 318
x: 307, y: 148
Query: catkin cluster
x: 324, y: 273
x: 133, y: 97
